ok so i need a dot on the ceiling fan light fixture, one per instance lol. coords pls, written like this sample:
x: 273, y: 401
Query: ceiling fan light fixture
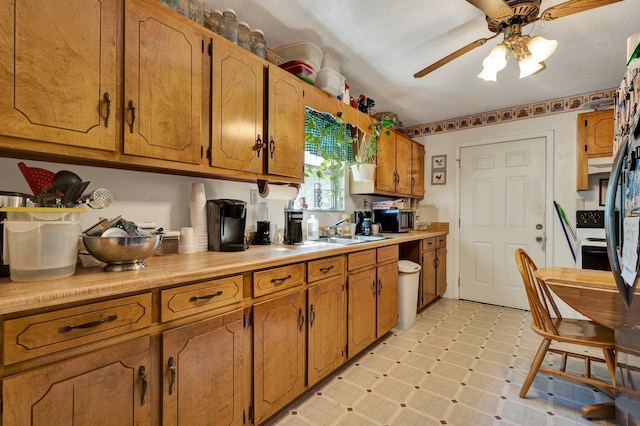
x: 497, y: 59
x: 541, y: 48
x: 529, y: 66
x: 488, y: 74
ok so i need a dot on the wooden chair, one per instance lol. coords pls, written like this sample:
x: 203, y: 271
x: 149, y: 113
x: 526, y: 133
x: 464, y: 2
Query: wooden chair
x: 548, y: 323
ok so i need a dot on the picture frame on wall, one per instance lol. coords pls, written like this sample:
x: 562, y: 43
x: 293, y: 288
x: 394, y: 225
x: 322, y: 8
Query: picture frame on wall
x: 604, y: 184
x: 438, y: 162
x: 438, y: 177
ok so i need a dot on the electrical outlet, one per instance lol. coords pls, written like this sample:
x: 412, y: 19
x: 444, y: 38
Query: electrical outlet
x: 253, y: 199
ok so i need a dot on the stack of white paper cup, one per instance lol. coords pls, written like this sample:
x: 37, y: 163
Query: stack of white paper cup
x: 187, y: 241
x: 198, y: 213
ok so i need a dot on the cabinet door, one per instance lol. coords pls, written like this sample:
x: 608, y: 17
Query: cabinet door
x: 417, y: 170
x: 441, y: 271
x: 403, y: 165
x: 163, y: 84
x: 205, y: 366
x: 106, y: 387
x: 387, y: 301
x: 57, y: 64
x: 285, y: 125
x: 386, y: 161
x: 361, y: 320
x: 428, y: 276
x: 598, y: 133
x: 327, y: 328
x: 279, y: 340
x: 237, y: 100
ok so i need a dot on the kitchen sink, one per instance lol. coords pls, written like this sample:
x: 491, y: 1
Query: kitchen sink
x: 355, y: 239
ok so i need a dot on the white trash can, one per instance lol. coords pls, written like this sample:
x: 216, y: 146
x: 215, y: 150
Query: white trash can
x: 408, y: 279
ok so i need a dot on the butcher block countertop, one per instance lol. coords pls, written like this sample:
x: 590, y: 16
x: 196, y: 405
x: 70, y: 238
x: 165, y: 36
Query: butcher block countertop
x: 171, y: 270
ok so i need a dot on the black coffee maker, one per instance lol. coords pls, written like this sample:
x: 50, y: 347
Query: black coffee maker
x: 362, y: 219
x: 293, y: 227
x: 225, y: 225
x: 263, y: 225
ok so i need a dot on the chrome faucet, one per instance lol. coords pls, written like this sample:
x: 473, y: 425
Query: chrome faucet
x: 335, y: 225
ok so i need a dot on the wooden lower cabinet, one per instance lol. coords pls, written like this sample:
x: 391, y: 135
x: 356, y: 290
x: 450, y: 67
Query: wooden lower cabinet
x: 105, y: 387
x: 372, y: 298
x: 279, y: 359
x: 434, y: 269
x: 205, y: 370
x: 327, y: 327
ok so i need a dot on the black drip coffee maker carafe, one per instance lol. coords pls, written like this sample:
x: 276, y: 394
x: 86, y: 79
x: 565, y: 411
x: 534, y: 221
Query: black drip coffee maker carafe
x: 262, y: 225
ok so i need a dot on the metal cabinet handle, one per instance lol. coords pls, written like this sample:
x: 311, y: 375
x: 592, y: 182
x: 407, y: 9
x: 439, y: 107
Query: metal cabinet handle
x: 107, y: 101
x: 373, y: 287
x: 91, y: 324
x: 142, y: 373
x: 312, y: 315
x: 172, y: 374
x: 259, y: 145
x: 379, y: 287
x: 300, y: 319
x: 326, y: 269
x: 206, y: 297
x: 278, y: 281
x: 272, y: 146
x: 132, y: 107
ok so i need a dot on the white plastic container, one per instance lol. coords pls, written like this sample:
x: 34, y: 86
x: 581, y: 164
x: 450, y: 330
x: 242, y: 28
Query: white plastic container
x: 409, y: 275
x: 313, y: 229
x: 328, y: 61
x: 330, y: 81
x: 302, y: 51
x: 41, y: 243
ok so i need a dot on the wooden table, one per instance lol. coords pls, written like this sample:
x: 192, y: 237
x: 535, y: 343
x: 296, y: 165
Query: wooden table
x: 595, y: 295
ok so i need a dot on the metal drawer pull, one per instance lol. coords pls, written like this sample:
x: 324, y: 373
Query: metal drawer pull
x: 88, y: 324
x: 207, y: 297
x: 327, y: 269
x: 107, y: 101
x: 132, y: 107
x: 280, y: 280
x: 172, y: 374
x: 142, y: 372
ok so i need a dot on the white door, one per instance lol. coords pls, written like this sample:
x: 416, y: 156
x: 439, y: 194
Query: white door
x: 502, y: 208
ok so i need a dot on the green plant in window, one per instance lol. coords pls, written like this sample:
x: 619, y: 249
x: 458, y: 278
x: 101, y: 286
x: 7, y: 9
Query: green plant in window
x: 367, y: 149
x: 332, y: 154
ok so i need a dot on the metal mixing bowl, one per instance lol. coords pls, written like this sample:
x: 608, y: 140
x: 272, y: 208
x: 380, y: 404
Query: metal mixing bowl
x: 122, y: 253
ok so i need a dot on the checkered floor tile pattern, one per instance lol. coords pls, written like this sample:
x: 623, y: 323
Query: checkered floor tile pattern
x: 461, y: 364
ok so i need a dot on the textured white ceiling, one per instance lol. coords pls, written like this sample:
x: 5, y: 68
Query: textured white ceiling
x: 381, y: 44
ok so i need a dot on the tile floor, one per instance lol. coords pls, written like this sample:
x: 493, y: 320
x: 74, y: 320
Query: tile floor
x: 461, y: 364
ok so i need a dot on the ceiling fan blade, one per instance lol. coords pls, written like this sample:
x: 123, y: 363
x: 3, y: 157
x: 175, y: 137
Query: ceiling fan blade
x: 572, y: 6
x: 451, y: 57
x: 496, y: 9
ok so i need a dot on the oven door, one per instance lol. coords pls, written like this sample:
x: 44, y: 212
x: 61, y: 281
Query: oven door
x: 594, y: 257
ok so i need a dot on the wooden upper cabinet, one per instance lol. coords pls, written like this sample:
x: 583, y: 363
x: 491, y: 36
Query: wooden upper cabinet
x: 58, y: 64
x: 403, y: 165
x: 285, y: 152
x: 386, y: 160
x: 237, y: 98
x: 417, y: 170
x: 163, y: 84
x: 594, y: 139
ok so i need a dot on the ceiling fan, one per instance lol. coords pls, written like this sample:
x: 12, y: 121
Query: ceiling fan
x: 508, y: 17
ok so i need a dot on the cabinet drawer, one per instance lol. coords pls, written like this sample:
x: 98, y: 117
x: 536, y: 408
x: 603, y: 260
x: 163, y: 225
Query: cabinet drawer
x: 360, y: 259
x: 441, y: 241
x: 388, y: 253
x: 41, y: 334
x: 324, y: 268
x: 276, y: 279
x: 429, y: 243
x: 191, y: 299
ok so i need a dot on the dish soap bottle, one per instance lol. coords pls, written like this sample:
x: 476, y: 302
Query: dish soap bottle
x: 313, y: 229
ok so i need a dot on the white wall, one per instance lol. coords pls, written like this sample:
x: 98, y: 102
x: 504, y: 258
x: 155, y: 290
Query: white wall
x: 562, y: 128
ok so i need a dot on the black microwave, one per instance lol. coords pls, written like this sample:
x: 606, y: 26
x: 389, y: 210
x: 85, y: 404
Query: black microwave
x: 394, y: 220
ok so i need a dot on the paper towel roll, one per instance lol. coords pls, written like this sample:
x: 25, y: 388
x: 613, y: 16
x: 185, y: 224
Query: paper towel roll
x: 279, y: 192
x: 633, y: 43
